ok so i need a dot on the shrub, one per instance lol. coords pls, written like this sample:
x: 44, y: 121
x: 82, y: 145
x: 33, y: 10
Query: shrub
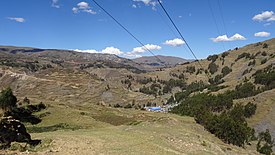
x: 243, y: 55
x: 266, y: 148
x: 224, y: 54
x: 212, y: 58
x: 252, y: 63
x: 190, y: 69
x: 265, y: 77
x: 265, y: 45
x: 249, y: 109
x: 213, y: 68
x: 226, y: 70
x: 7, y: 99
x: 264, y: 61
x: 264, y: 53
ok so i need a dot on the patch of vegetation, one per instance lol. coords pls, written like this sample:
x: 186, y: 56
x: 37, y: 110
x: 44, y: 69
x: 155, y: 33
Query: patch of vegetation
x: 212, y: 58
x: 264, y: 53
x: 215, y: 88
x: 249, y: 109
x: 193, y: 87
x: 266, y: 77
x: 190, y: 69
x: 213, y: 68
x: 247, y: 71
x: 264, y: 61
x: 216, y: 80
x: 265, y: 45
x: 243, y: 55
x: 265, y: 143
x: 229, y: 125
x: 224, y: 54
x: 60, y: 126
x: 145, y: 80
x: 252, y: 63
x: 226, y: 70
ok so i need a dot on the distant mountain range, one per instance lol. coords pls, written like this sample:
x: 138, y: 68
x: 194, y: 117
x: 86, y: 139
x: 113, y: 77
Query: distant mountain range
x: 154, y: 61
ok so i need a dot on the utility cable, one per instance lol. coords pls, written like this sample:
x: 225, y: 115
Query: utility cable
x: 215, y: 21
x: 131, y: 34
x: 190, y: 49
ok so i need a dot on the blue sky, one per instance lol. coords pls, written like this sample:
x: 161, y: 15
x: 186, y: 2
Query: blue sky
x: 82, y: 26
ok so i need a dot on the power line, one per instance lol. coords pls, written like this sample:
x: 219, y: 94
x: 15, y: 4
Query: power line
x: 190, y: 49
x: 215, y: 21
x: 131, y: 34
x: 223, y: 21
x: 170, y: 28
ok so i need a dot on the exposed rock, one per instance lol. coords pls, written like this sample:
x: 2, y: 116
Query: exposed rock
x: 12, y: 130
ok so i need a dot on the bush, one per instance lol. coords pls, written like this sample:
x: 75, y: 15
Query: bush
x: 252, y: 63
x: 7, y: 99
x: 266, y: 78
x: 213, y: 68
x: 217, y: 80
x: 266, y: 148
x: 190, y: 69
x: 224, y: 54
x: 265, y: 45
x: 264, y: 61
x: 243, y: 55
x: 249, y: 109
x: 226, y: 70
x: 212, y: 58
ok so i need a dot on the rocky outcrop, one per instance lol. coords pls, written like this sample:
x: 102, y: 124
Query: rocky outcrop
x: 12, y: 130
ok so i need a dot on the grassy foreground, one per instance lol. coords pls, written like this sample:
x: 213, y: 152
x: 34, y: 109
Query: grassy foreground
x: 100, y: 130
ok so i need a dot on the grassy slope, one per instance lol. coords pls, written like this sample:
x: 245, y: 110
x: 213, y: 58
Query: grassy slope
x: 127, y: 132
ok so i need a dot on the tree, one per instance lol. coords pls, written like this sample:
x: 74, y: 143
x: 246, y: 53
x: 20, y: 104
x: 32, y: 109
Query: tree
x: 265, y: 45
x: 7, y: 99
x: 226, y: 70
x: 249, y: 109
x: 213, y: 68
x: 266, y: 148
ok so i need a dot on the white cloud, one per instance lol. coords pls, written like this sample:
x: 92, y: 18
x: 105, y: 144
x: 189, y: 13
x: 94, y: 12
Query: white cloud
x: 271, y: 19
x: 262, y: 34
x: 134, y: 6
x: 107, y: 50
x: 237, y: 37
x: 55, y: 4
x: 112, y: 50
x: 152, y: 3
x: 224, y: 38
x: 138, y: 50
x: 146, y: 47
x: 20, y: 20
x: 175, y: 42
x: 75, y: 10
x: 83, y: 7
x: 264, y: 16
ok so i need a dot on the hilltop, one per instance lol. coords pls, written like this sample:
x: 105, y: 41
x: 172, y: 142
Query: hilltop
x: 166, y: 61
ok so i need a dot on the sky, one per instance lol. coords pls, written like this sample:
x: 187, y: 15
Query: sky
x: 208, y: 26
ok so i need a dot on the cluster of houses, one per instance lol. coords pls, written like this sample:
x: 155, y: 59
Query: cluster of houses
x: 164, y: 108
